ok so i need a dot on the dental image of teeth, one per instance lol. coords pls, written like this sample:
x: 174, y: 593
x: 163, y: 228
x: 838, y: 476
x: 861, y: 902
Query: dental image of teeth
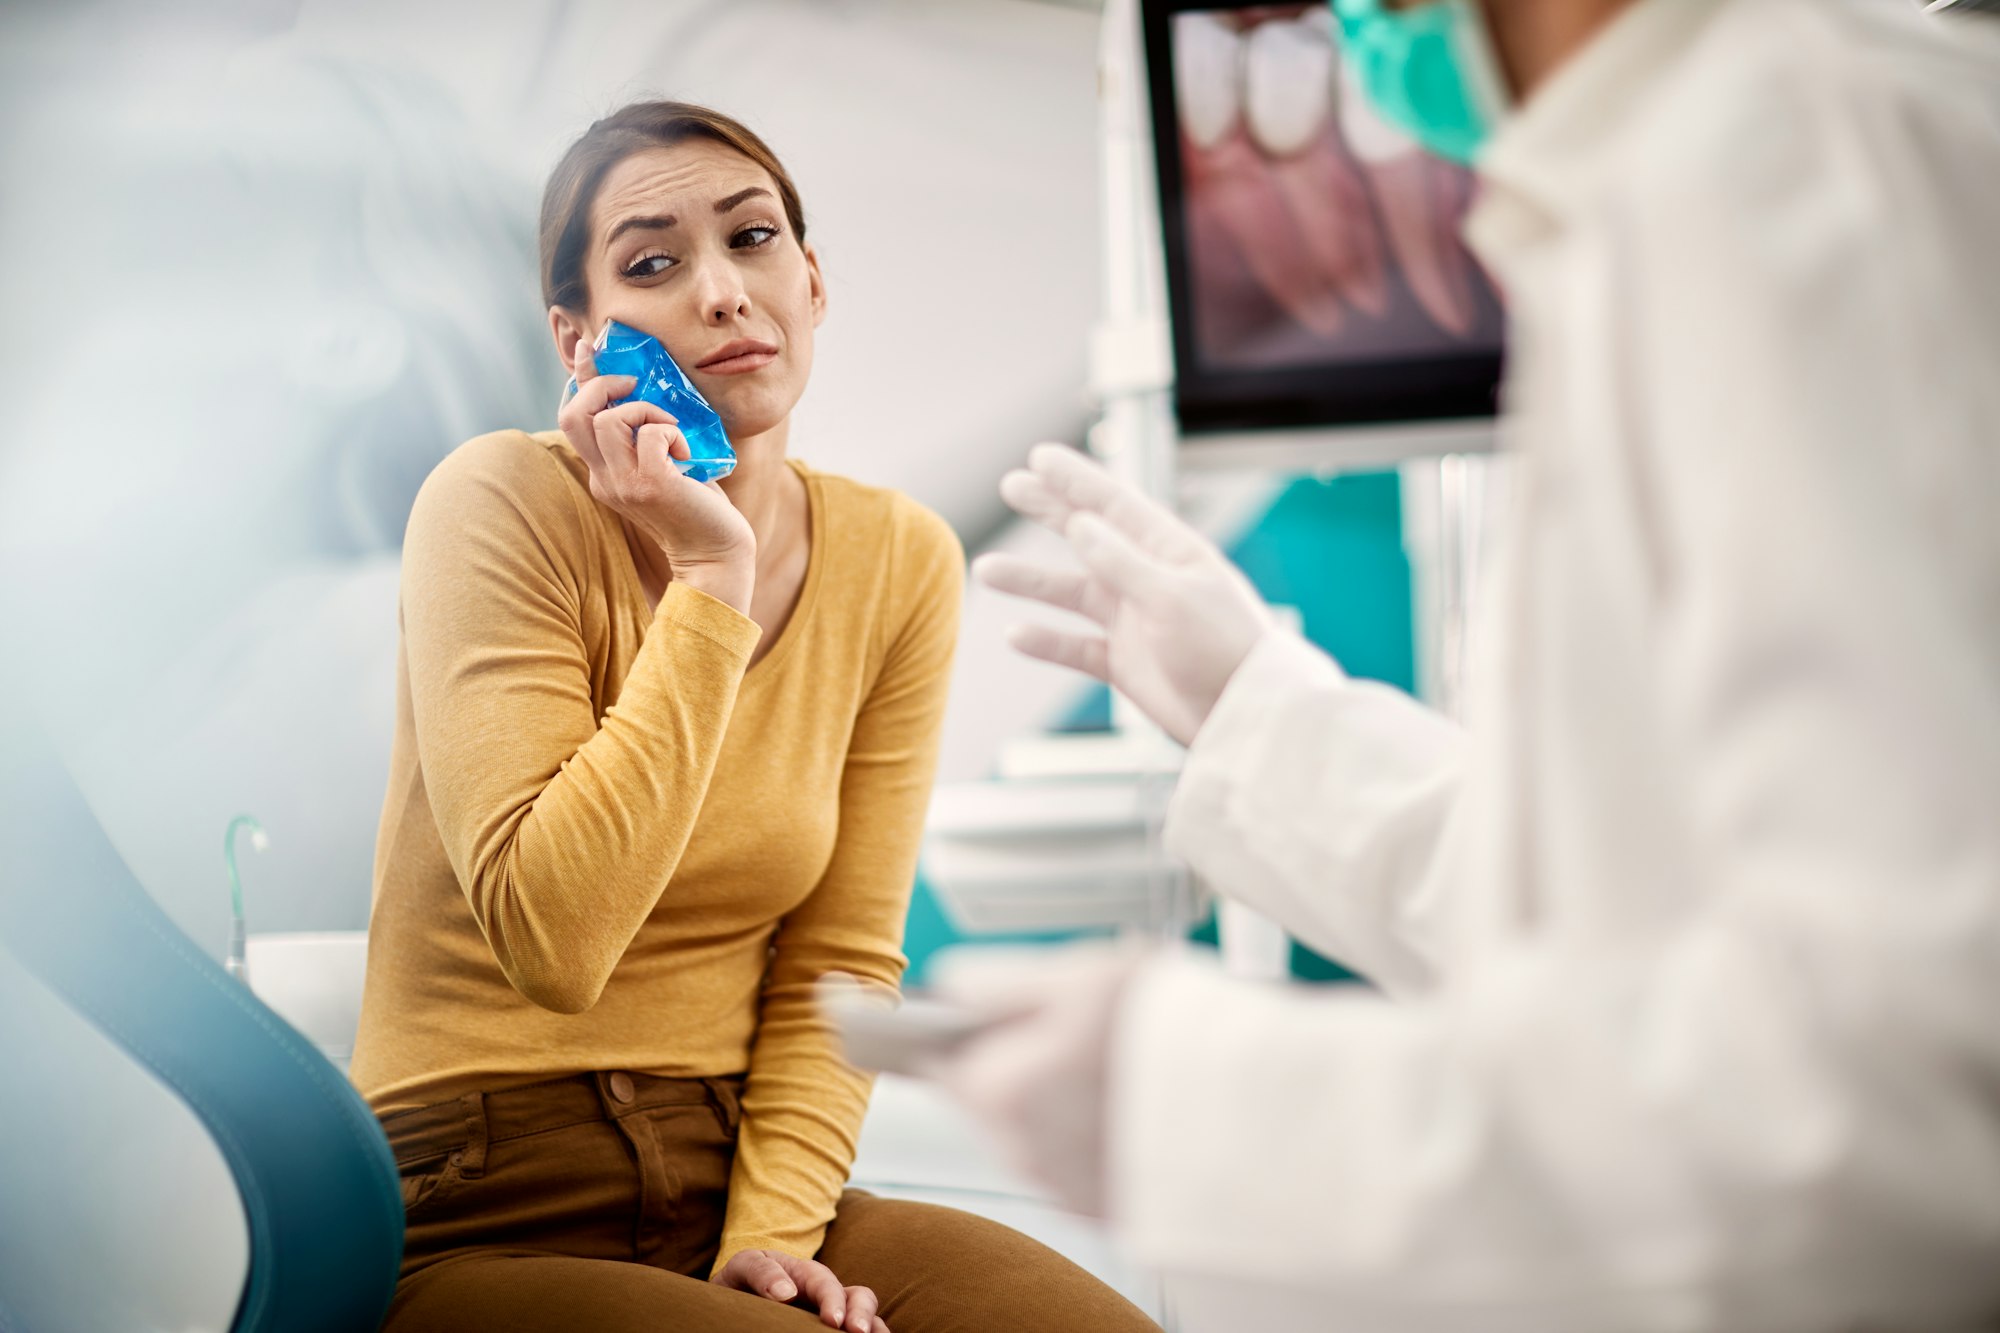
x: 1315, y: 231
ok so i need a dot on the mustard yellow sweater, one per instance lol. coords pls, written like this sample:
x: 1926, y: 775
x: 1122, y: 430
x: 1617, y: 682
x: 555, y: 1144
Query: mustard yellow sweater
x: 608, y: 845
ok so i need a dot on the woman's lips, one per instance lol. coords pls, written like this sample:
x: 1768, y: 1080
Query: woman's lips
x: 741, y: 365
x: 738, y: 357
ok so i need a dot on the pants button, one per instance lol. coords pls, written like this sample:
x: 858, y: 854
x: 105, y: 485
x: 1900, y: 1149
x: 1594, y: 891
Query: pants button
x: 621, y: 1088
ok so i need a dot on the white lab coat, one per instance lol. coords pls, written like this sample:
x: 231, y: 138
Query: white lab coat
x: 1691, y: 945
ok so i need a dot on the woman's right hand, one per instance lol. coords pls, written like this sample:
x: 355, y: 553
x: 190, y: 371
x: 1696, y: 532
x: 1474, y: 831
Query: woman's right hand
x: 630, y: 450
x: 786, y: 1278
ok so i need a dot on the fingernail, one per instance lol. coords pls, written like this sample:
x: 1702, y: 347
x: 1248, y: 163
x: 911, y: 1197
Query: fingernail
x: 784, y: 1291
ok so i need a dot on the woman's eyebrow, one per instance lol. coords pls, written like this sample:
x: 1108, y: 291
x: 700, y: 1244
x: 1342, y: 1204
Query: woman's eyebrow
x: 725, y: 204
x: 635, y: 224
x: 668, y: 222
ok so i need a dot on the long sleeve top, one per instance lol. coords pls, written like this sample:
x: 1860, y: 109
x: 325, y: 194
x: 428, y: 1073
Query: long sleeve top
x: 1689, y: 945
x: 610, y: 843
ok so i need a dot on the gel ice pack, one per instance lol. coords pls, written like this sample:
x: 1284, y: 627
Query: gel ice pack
x: 623, y: 350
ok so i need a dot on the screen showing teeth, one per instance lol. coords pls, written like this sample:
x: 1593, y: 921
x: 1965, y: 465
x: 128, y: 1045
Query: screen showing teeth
x: 1208, y: 54
x: 1368, y: 136
x: 1288, y: 84
x: 1312, y: 233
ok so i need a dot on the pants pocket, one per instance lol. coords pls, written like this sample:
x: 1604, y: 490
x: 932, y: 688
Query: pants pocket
x: 429, y: 1181
x: 432, y: 1173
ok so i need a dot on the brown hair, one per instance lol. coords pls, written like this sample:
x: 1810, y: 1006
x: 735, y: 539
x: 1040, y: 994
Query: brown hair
x: 573, y: 185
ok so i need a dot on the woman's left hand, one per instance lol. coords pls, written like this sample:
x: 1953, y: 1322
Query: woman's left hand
x: 783, y: 1277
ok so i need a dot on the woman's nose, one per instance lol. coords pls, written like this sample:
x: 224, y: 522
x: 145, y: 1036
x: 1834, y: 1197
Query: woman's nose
x: 724, y: 299
x: 721, y: 311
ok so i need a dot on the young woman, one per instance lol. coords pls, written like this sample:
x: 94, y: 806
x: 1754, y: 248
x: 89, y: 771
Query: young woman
x: 663, y: 753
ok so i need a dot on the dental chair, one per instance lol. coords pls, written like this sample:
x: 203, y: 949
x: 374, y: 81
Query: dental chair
x: 172, y: 1154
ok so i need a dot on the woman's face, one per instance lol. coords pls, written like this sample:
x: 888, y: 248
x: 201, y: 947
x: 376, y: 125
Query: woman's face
x: 690, y: 244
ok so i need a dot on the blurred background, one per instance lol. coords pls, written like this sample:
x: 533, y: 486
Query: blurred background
x: 270, y: 260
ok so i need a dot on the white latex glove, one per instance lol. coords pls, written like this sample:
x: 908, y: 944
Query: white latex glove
x: 1038, y: 1081
x: 1178, y: 617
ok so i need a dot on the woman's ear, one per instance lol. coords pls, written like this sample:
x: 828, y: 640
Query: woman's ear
x: 566, y: 326
x: 815, y: 286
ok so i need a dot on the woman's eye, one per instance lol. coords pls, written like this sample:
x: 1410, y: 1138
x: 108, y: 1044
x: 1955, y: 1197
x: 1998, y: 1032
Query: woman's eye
x: 648, y: 266
x: 752, y: 237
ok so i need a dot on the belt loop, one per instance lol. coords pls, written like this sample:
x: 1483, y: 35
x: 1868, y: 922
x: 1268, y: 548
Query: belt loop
x: 728, y: 1106
x: 473, y: 1162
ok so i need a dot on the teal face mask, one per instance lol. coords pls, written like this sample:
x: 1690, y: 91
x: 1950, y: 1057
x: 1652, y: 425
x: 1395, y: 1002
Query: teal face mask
x: 1427, y: 69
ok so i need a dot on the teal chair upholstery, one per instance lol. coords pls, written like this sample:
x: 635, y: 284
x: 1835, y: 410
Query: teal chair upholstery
x: 320, y: 1196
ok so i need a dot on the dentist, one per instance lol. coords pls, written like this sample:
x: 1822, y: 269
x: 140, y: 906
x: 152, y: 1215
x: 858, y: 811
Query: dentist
x: 1688, y: 948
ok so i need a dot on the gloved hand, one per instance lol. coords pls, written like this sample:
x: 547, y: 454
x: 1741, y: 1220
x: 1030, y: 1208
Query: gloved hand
x: 1039, y: 1079
x: 1178, y: 617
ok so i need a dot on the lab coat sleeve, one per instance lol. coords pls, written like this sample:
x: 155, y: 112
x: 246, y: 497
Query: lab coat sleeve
x: 1321, y: 801
x: 1784, y: 1112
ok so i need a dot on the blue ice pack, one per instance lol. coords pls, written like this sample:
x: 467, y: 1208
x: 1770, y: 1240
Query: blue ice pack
x: 623, y: 350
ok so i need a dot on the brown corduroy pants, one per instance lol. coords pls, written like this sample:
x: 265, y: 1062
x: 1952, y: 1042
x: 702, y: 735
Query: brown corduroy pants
x: 596, y: 1202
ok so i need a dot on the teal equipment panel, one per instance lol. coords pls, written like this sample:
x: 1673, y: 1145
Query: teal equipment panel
x: 1333, y: 549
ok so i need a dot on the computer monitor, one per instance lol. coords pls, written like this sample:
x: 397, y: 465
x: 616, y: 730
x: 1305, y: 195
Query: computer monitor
x: 1315, y: 271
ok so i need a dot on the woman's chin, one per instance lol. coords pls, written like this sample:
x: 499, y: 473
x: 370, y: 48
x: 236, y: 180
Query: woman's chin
x: 749, y: 420
x: 740, y: 431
